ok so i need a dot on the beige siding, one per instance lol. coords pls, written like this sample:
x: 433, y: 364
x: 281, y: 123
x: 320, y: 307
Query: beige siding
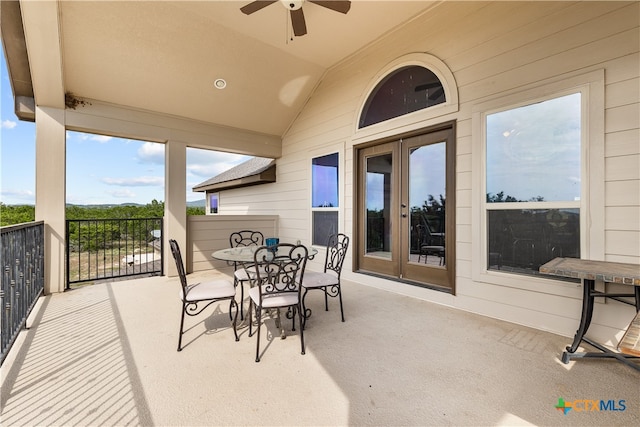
x: 208, y: 233
x: 492, y: 49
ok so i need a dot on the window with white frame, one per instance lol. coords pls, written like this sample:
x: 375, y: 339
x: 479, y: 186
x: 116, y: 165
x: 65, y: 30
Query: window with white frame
x: 213, y: 202
x: 324, y: 197
x: 533, y: 171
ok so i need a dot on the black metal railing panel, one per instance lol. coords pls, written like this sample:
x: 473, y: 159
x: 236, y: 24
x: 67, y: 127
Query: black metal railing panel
x: 22, y: 277
x: 99, y: 249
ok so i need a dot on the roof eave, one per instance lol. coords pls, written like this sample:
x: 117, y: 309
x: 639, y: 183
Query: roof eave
x: 265, y: 177
x: 17, y: 60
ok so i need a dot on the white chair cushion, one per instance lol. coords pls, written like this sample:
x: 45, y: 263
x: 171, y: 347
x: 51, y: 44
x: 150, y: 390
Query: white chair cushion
x: 314, y: 279
x: 209, y: 290
x: 245, y: 274
x: 241, y: 275
x: 273, y: 300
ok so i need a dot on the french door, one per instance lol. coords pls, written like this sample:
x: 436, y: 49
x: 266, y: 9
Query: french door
x: 406, y: 208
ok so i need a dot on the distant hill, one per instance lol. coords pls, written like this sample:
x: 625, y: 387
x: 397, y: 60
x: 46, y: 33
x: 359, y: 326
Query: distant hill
x: 193, y: 204
x: 104, y: 205
x: 197, y: 204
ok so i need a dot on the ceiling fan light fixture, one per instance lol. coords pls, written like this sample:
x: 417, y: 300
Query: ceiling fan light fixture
x: 292, y: 4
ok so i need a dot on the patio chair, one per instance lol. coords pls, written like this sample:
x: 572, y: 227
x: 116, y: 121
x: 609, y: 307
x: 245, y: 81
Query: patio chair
x: 278, y: 271
x: 240, y: 275
x: 198, y: 296
x: 430, y: 244
x: 329, y: 280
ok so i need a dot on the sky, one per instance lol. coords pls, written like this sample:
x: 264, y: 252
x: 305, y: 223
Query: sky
x: 535, y: 150
x: 100, y: 169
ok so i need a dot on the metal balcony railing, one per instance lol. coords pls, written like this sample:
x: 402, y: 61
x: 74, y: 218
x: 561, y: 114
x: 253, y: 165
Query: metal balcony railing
x: 22, y: 277
x: 100, y: 249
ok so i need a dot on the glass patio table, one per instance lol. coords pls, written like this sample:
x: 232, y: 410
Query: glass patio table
x: 245, y: 254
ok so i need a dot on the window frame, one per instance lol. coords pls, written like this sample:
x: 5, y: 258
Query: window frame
x: 333, y: 149
x: 591, y: 204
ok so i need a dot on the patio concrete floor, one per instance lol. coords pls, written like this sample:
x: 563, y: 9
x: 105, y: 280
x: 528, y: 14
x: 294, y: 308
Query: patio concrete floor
x: 106, y: 355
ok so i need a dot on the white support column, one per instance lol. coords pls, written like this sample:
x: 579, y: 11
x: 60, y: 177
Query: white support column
x: 51, y: 192
x: 175, y: 202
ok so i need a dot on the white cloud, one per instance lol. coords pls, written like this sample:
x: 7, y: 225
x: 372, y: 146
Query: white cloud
x: 140, y: 181
x: 121, y: 194
x: 206, y: 163
x: 100, y: 138
x: 17, y: 197
x: 9, y: 124
x: 20, y: 194
x: 151, y: 152
x: 209, y: 170
x: 89, y: 137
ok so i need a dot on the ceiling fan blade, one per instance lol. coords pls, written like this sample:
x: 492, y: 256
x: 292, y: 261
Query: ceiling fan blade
x: 256, y: 6
x: 298, y: 22
x: 338, y: 6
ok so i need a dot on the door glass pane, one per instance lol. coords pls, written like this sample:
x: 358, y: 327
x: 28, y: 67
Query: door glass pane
x: 378, y: 205
x: 427, y: 194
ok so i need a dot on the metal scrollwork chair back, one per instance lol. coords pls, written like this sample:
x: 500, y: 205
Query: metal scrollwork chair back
x: 197, y: 297
x: 240, y: 276
x: 246, y: 238
x: 327, y: 281
x: 278, y: 271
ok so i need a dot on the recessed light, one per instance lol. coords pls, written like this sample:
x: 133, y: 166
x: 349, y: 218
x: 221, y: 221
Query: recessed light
x: 220, y: 84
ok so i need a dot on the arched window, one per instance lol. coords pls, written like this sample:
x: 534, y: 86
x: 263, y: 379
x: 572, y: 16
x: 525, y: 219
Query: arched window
x: 403, y: 91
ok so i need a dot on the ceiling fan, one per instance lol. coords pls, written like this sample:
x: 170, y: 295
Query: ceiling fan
x: 295, y: 7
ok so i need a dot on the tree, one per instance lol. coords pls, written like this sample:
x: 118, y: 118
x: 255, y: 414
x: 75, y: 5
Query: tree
x: 499, y: 198
x: 16, y: 214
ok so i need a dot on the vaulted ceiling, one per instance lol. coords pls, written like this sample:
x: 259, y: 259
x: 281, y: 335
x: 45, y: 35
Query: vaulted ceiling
x: 164, y: 56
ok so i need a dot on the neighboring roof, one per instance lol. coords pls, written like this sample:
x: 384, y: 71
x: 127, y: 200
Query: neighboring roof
x: 258, y: 170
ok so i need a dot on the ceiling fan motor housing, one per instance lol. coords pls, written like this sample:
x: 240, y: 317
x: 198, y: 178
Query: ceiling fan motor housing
x: 292, y: 4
